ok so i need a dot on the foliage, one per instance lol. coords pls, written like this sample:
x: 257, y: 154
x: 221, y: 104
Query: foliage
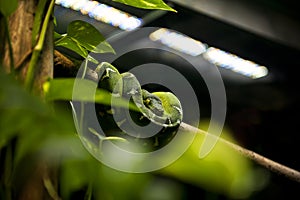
x: 55, y: 138
x: 222, y: 171
x: 49, y: 134
x: 81, y: 38
x: 43, y: 129
x: 7, y: 7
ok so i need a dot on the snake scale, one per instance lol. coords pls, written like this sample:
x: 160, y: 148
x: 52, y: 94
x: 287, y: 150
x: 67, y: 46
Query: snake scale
x: 161, y: 108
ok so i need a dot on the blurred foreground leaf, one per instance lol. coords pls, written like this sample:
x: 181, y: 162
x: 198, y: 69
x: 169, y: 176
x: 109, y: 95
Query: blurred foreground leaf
x: 7, y: 7
x: 43, y: 134
x: 51, y: 135
x: 84, y: 90
x: 223, y: 171
x: 79, y: 174
x: 29, y: 119
x: 62, y: 89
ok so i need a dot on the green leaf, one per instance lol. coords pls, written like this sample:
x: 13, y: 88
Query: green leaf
x: 73, y: 45
x: 28, y: 118
x: 7, y: 7
x: 223, y: 170
x: 74, y: 176
x: 147, y: 4
x: 62, y: 89
x: 88, y: 37
x: 81, y: 38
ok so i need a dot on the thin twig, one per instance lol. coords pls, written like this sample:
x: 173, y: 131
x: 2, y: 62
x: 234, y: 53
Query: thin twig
x: 259, y: 159
x: 62, y: 60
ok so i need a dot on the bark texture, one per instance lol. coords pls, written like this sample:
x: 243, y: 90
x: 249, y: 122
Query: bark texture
x: 21, y: 24
x: 30, y: 185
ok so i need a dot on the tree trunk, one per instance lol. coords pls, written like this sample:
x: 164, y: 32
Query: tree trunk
x: 32, y: 186
x: 20, y: 25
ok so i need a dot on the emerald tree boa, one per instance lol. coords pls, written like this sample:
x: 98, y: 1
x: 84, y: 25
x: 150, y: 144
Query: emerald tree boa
x: 155, y: 121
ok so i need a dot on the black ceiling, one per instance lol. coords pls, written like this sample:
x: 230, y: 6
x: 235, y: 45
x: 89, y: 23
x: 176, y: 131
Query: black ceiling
x: 278, y: 57
x: 286, y: 7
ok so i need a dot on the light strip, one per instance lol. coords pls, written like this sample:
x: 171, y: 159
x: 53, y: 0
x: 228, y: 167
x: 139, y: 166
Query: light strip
x: 239, y: 65
x: 103, y: 13
x: 178, y: 41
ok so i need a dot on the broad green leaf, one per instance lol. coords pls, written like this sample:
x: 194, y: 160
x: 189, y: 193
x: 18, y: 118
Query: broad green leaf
x: 73, y: 45
x: 62, y: 89
x: 13, y: 96
x: 223, y: 170
x: 147, y: 4
x: 73, y: 177
x: 88, y: 37
x: 7, y: 7
x: 27, y: 118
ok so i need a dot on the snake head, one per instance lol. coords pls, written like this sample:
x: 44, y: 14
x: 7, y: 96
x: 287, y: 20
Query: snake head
x: 152, y: 102
x: 171, y: 106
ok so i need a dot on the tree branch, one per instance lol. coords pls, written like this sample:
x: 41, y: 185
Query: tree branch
x: 259, y: 159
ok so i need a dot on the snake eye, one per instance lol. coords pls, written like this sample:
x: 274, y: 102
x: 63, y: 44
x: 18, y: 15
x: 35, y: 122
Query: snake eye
x: 147, y: 101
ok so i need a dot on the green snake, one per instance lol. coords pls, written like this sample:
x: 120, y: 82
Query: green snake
x: 162, y: 108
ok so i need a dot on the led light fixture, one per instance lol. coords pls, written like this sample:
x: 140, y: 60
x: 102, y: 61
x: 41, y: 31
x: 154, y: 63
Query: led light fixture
x: 103, y: 13
x: 239, y: 65
x: 178, y: 42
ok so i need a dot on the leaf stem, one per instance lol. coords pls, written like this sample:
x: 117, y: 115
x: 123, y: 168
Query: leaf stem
x: 259, y: 159
x: 89, y: 191
x: 84, y: 69
x: 50, y: 188
x: 29, y: 79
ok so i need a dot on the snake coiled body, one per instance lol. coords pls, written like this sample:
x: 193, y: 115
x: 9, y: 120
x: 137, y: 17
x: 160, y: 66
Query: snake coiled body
x: 161, y: 108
